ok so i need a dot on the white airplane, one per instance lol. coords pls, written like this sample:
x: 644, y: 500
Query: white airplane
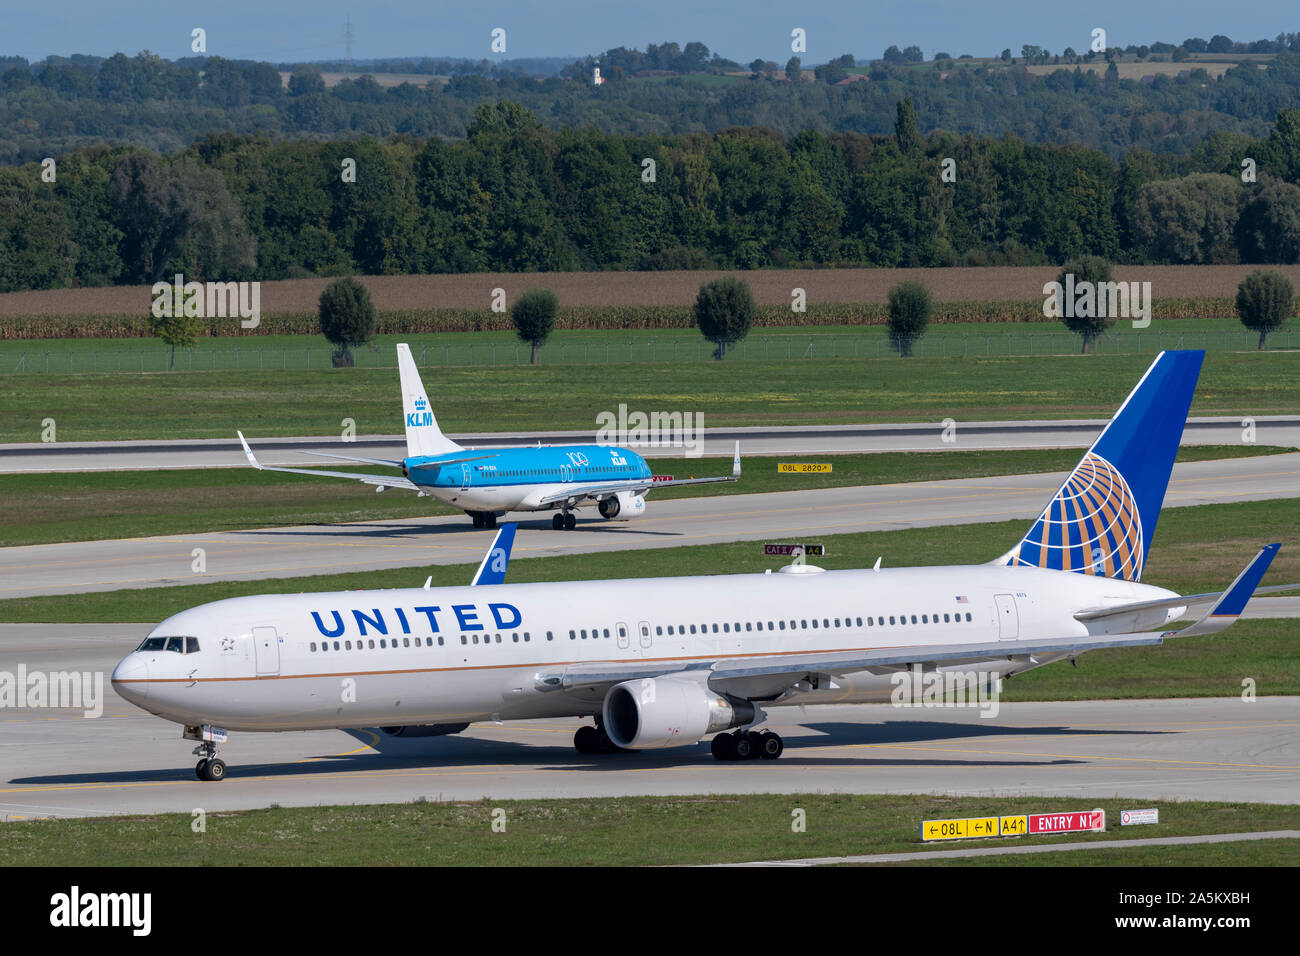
x: 489, y: 482
x: 665, y: 662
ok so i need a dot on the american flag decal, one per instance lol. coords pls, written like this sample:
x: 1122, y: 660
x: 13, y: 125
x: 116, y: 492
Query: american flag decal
x: 961, y: 599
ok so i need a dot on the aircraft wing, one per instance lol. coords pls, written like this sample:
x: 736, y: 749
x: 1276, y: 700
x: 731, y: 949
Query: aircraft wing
x: 775, y: 672
x: 787, y: 669
x: 382, y: 481
x: 492, y: 569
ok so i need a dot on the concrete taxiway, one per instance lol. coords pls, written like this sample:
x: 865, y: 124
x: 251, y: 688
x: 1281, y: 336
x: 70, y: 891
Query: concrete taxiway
x: 76, y: 567
x: 59, y: 763
x: 1282, y: 430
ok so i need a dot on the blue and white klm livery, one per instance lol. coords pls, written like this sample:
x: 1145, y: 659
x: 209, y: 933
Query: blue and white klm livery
x: 487, y: 483
x: 669, y: 661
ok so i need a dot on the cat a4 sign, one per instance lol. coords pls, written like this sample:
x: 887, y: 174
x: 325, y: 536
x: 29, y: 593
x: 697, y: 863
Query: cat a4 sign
x: 1067, y: 822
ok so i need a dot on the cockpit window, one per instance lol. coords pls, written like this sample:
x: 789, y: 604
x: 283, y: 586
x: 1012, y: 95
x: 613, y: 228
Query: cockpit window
x: 178, y: 645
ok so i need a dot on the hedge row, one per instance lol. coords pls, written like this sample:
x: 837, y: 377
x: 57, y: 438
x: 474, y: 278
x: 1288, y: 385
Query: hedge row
x: 413, y: 321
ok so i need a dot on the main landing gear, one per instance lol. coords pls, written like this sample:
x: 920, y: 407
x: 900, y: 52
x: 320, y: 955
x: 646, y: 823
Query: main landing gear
x: 563, y: 521
x: 594, y: 740
x: 483, y: 519
x: 747, y: 745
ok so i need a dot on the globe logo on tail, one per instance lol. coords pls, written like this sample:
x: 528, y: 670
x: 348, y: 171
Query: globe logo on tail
x: 1092, y: 526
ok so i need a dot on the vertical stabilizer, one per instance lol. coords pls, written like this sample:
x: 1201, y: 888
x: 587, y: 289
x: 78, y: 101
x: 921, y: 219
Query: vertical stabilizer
x: 423, y: 437
x: 1102, y: 519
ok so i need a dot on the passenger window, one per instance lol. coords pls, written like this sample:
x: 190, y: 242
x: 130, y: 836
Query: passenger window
x: 804, y: 624
x: 515, y: 637
x: 749, y: 625
x: 913, y: 618
x: 606, y: 632
x: 945, y: 619
x: 573, y: 635
x: 692, y: 628
x: 891, y: 619
x: 783, y: 625
x: 406, y: 641
x: 725, y: 627
x: 814, y: 623
x: 584, y: 633
x: 336, y: 645
x: 313, y: 647
x: 440, y: 641
x: 464, y: 639
x: 925, y: 619
x: 968, y: 615
x: 715, y: 629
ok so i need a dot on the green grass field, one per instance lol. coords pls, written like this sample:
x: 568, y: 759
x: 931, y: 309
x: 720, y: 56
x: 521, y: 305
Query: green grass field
x: 93, y: 407
x: 92, y: 506
x: 1196, y: 549
x: 632, y: 831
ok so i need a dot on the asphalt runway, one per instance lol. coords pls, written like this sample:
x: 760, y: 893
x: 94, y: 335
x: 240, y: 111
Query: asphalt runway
x: 76, y: 567
x: 59, y: 763
x: 36, y: 457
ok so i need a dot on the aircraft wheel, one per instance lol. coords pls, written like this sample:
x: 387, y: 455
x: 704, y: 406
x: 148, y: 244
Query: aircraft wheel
x: 216, y: 769
x: 570, y: 522
x: 586, y: 740
x: 721, y: 747
x: 742, y: 748
x: 478, y: 519
x: 557, y: 521
x: 201, y: 771
x: 770, y: 745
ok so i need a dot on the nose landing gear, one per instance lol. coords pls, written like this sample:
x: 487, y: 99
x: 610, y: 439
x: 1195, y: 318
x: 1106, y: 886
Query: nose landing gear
x: 210, y: 766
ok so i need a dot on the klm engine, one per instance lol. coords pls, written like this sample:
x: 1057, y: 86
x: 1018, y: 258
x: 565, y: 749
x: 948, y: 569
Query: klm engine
x: 624, y: 506
x: 668, y: 712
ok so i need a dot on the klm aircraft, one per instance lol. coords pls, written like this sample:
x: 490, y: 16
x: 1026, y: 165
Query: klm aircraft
x: 668, y: 662
x: 486, y: 483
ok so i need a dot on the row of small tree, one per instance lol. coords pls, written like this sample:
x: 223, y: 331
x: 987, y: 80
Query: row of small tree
x: 725, y: 312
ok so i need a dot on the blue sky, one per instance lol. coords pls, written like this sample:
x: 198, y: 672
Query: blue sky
x: 294, y: 30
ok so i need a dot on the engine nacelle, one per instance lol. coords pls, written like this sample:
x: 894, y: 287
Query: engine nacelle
x: 424, y: 730
x: 624, y: 505
x: 668, y: 712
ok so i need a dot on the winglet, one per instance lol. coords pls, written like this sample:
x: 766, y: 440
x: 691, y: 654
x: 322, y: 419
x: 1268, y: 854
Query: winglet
x: 248, y: 451
x: 492, y: 570
x: 735, y: 464
x: 1228, y: 608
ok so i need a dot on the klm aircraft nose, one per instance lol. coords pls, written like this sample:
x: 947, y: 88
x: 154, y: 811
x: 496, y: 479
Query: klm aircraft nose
x: 131, y: 678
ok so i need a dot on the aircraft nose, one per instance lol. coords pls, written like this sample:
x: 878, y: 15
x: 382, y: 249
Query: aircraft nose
x: 131, y: 678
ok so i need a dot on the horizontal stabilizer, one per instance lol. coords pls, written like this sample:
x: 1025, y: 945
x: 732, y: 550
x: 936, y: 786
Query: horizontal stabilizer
x: 1229, y: 607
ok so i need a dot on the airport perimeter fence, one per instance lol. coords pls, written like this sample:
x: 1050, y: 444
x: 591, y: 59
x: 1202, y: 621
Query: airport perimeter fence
x: 154, y: 358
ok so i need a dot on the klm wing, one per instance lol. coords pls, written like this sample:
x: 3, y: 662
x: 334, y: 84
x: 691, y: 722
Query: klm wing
x: 382, y: 481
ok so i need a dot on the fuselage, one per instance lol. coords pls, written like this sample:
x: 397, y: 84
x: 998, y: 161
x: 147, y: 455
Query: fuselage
x: 516, y: 479
x: 447, y: 655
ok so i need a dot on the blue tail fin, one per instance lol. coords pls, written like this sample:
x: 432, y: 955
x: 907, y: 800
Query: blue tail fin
x: 1102, y: 520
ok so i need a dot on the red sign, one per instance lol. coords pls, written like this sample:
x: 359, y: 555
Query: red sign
x: 662, y: 478
x: 1067, y: 822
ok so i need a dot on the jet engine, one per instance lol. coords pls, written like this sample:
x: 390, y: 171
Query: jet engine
x: 424, y: 730
x: 668, y: 712
x: 624, y: 505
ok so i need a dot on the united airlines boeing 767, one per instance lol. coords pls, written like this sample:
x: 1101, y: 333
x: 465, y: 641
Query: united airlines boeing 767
x: 664, y: 662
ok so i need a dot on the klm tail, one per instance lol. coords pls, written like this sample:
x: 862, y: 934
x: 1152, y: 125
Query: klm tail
x: 423, y: 437
x: 1102, y: 520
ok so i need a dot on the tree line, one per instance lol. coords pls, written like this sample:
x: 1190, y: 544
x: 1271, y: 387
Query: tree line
x: 516, y: 196
x: 144, y: 100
